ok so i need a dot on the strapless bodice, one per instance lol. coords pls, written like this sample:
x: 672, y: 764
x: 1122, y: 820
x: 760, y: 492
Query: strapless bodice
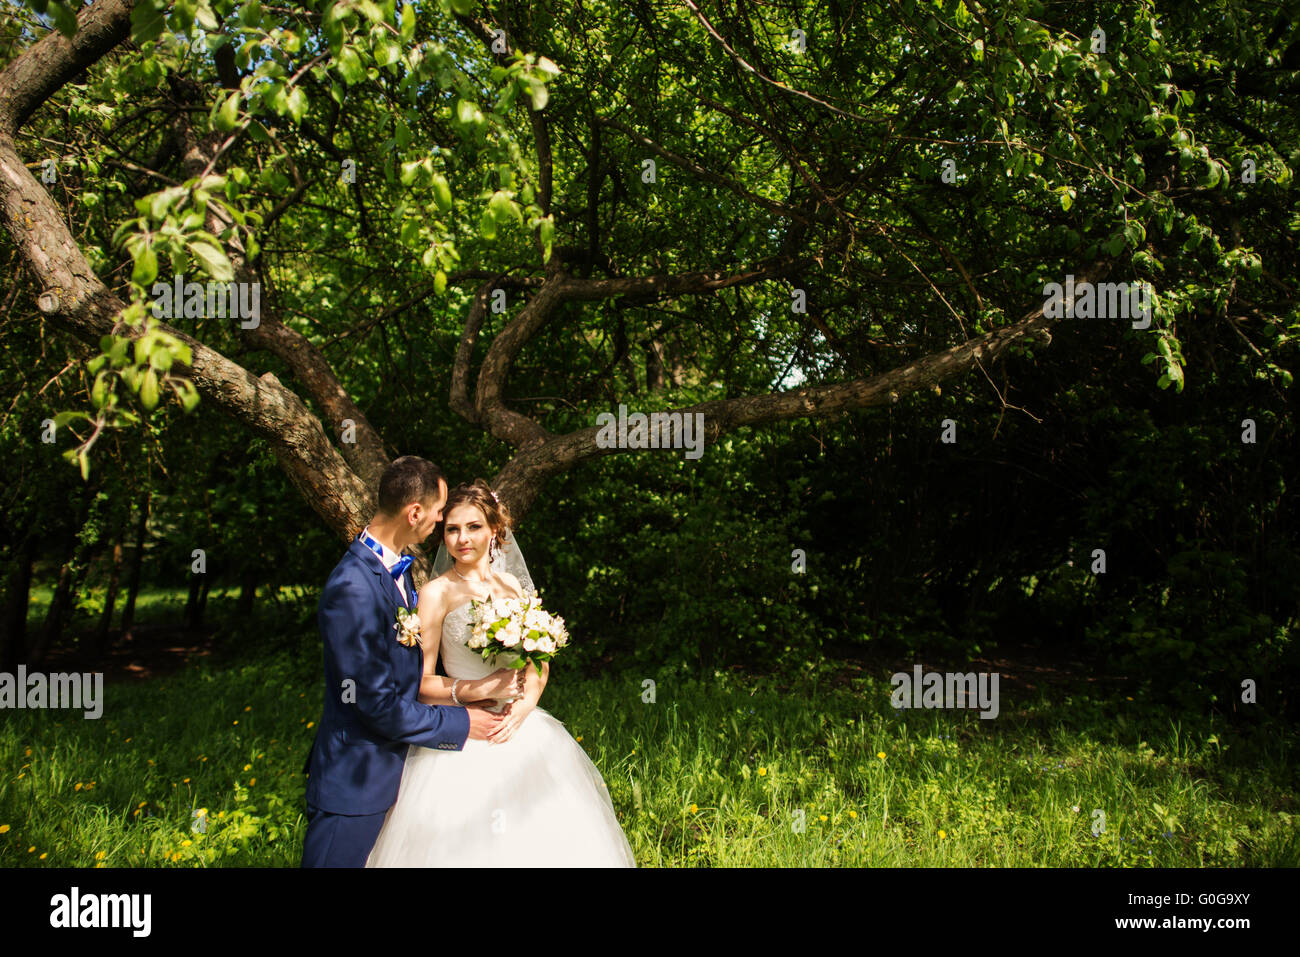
x: 458, y: 659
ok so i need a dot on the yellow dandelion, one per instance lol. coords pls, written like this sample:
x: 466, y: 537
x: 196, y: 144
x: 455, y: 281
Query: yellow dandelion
x: 252, y: 781
x: 762, y: 772
x: 204, y: 758
x: 1127, y: 698
x: 135, y: 813
x: 881, y: 755
x: 100, y: 864
x: 695, y: 808
x: 943, y: 835
x: 248, y: 707
x: 43, y: 856
x: 78, y: 787
x: 151, y: 764
x: 261, y: 754
x: 186, y: 843
x: 176, y: 856
x: 311, y: 724
x: 142, y: 804
x: 127, y: 741
x: 32, y: 849
x: 853, y: 814
x: 221, y: 814
x: 101, y: 855
x: 248, y: 767
x: 236, y: 721
x: 186, y: 781
x: 578, y: 739
x: 21, y: 775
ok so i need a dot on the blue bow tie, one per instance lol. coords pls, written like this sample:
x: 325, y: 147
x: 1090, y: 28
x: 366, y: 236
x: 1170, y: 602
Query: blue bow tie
x: 402, y: 565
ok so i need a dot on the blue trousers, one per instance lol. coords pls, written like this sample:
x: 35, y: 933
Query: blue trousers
x: 339, y: 840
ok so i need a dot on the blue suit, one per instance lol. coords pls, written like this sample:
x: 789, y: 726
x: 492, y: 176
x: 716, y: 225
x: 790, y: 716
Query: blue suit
x: 371, y: 712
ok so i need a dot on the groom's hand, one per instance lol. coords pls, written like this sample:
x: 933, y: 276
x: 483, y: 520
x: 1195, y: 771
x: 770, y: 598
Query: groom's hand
x: 483, y: 723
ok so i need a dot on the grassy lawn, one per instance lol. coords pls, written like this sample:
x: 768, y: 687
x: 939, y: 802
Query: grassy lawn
x: 721, y: 771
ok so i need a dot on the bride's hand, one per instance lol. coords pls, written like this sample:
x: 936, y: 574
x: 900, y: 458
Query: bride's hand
x: 501, y: 684
x: 515, y: 713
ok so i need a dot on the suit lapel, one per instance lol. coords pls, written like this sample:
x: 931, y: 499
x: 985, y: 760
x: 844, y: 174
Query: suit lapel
x: 387, y: 588
x: 384, y: 580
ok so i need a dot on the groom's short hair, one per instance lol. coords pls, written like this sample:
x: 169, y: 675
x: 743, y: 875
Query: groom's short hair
x: 408, y: 479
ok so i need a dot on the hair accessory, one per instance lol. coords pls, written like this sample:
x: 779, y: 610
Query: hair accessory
x: 494, y: 496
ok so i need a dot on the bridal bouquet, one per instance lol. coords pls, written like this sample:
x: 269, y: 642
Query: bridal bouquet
x: 518, y: 629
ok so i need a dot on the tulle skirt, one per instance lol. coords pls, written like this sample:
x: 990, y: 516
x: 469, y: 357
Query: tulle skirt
x: 535, y: 801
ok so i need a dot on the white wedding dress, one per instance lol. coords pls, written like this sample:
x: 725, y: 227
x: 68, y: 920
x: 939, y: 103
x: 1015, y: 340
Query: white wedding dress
x: 535, y: 801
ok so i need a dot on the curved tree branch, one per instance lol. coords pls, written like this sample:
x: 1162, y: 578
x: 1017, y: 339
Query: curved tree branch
x: 521, y: 479
x: 77, y: 301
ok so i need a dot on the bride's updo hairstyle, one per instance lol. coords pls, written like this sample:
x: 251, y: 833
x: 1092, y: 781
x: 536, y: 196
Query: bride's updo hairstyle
x: 479, y: 494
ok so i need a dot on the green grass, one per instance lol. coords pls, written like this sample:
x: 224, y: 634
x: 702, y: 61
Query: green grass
x: 154, y: 605
x: 715, y: 772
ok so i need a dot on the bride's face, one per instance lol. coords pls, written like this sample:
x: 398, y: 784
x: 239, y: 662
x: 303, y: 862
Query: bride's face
x: 467, y: 534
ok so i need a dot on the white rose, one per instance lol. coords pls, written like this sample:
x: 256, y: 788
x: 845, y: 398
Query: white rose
x: 547, y: 645
x: 509, y: 635
x: 530, y: 645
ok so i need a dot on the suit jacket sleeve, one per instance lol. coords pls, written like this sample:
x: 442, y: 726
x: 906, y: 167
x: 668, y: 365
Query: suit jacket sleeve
x: 356, y: 645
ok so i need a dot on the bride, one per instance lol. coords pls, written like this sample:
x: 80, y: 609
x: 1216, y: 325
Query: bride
x: 527, y: 797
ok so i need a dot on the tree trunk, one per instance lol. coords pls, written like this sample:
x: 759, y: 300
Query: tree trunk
x: 247, y: 593
x: 137, y: 561
x: 193, y: 617
x: 654, y: 366
x: 57, y: 615
x: 110, y: 600
x: 203, y: 597
x: 18, y: 588
x: 677, y: 367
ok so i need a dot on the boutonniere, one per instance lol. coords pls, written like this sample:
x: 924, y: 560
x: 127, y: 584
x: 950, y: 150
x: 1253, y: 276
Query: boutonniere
x: 408, y: 626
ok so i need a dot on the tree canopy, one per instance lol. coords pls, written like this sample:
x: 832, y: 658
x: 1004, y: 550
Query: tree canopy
x: 531, y: 213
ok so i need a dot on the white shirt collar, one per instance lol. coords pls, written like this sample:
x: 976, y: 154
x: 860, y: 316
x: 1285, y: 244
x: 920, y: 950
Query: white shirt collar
x: 386, y: 555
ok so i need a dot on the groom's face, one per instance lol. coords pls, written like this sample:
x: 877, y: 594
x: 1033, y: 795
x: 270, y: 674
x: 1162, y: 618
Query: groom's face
x: 426, y: 515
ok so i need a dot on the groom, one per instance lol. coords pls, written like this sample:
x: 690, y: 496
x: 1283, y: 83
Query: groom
x: 372, y: 680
